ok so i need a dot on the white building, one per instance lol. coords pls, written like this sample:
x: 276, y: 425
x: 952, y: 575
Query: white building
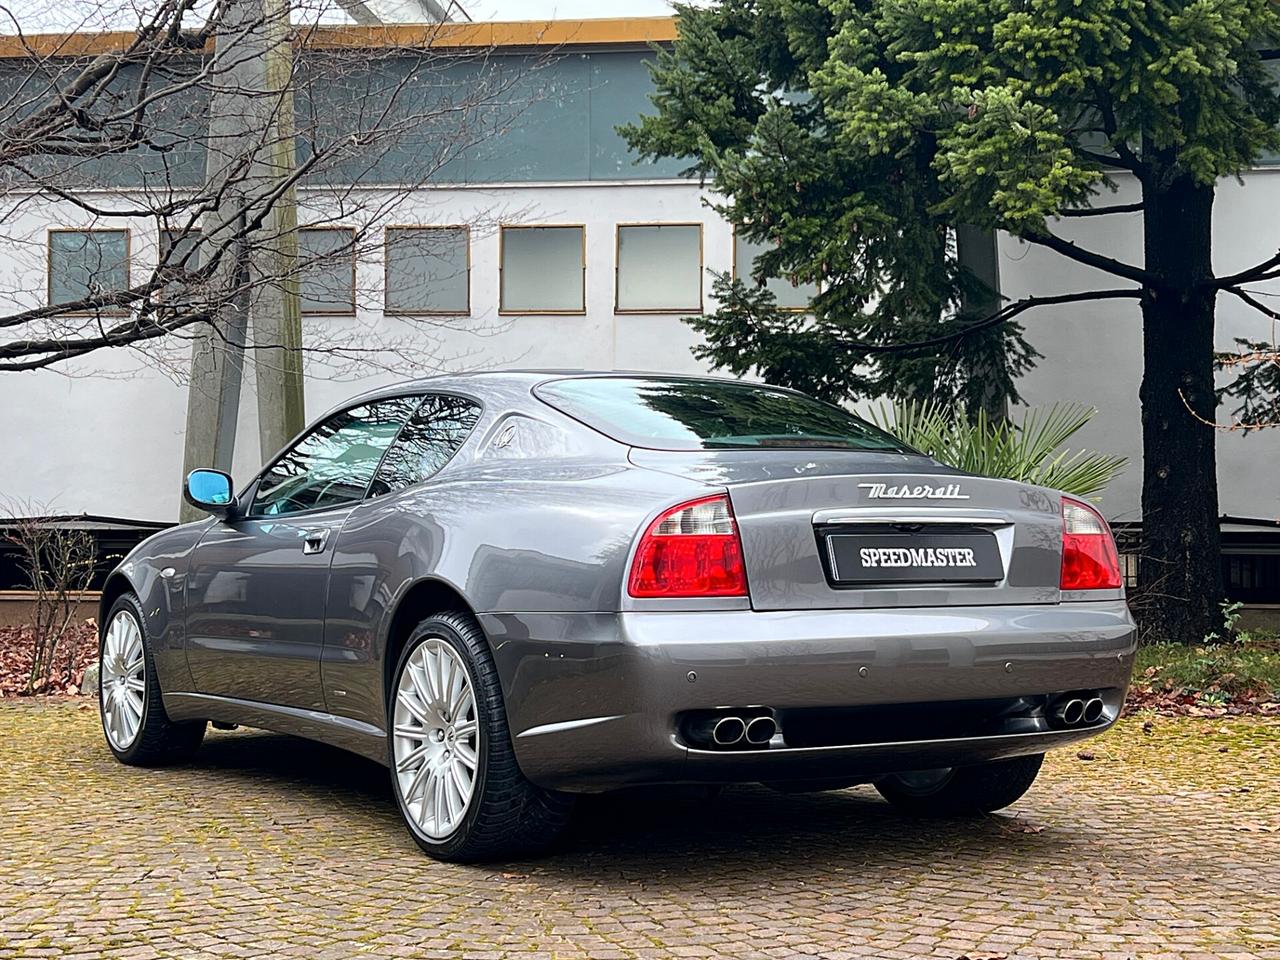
x: 566, y: 252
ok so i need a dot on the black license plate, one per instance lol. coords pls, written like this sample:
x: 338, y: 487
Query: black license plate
x: 914, y: 557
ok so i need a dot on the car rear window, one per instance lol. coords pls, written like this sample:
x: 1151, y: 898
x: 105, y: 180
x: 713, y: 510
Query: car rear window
x: 675, y: 413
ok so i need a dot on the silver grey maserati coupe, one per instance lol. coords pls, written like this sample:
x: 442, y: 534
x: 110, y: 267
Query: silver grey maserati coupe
x: 513, y: 587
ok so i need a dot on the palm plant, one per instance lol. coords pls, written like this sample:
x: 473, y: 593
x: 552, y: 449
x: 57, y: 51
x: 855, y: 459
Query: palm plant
x: 1029, y: 449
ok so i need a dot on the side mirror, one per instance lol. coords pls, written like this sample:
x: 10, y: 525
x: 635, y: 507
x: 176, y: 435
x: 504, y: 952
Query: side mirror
x: 209, y: 490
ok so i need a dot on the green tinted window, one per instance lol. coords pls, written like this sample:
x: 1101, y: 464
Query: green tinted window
x: 87, y: 263
x: 327, y: 270
x: 687, y: 414
x: 427, y: 270
x: 788, y: 295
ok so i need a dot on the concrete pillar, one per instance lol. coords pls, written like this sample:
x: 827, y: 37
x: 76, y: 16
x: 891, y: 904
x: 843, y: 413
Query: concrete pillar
x: 277, y: 307
x: 250, y: 147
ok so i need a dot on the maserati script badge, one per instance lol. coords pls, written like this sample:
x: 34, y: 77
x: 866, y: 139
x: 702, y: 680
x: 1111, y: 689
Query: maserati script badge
x: 921, y: 491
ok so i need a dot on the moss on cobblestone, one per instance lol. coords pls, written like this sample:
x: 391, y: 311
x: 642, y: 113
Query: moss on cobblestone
x: 1165, y: 844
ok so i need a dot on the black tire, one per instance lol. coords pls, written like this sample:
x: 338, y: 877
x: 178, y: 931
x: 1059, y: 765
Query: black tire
x: 508, y: 816
x: 159, y: 741
x: 964, y: 791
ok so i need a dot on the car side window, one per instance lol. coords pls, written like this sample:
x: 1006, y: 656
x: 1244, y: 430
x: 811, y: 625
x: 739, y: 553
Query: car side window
x: 334, y: 463
x: 433, y: 434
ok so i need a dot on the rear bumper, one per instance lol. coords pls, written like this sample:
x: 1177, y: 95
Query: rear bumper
x: 593, y: 699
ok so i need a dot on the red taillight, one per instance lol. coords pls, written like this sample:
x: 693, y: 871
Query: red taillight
x: 692, y: 550
x: 1089, y: 560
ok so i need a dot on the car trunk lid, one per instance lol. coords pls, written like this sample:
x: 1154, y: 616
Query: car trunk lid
x: 833, y: 529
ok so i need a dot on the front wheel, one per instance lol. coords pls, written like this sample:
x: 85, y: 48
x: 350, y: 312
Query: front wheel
x: 138, y: 730
x: 961, y: 791
x: 453, y: 768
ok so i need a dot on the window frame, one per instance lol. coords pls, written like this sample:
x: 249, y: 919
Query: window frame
x: 355, y: 307
x: 733, y: 273
x: 244, y: 501
x: 502, y: 263
x: 48, y: 268
x: 386, y: 268
x: 661, y: 311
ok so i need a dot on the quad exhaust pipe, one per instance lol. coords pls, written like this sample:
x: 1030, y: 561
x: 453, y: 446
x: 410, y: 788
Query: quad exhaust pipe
x: 1077, y: 709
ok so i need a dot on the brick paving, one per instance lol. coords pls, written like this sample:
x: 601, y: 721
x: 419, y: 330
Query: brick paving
x: 1166, y: 844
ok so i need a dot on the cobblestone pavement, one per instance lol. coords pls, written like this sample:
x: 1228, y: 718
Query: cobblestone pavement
x: 1165, y: 844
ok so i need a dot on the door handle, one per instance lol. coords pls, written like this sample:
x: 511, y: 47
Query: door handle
x: 313, y: 541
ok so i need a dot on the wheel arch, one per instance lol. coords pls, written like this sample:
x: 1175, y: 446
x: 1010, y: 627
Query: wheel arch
x: 117, y: 585
x: 428, y: 596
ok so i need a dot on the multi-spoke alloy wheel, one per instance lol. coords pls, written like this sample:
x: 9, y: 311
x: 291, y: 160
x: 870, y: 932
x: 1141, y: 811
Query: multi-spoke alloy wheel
x: 138, y: 730
x: 437, y: 738
x: 123, y: 679
x: 453, y: 769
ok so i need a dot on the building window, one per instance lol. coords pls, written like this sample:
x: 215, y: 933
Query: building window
x: 327, y: 269
x: 86, y: 264
x: 176, y: 248
x: 178, y: 254
x: 1252, y: 578
x: 659, y: 268
x: 542, y: 270
x: 1129, y: 570
x: 428, y: 270
x: 789, y: 296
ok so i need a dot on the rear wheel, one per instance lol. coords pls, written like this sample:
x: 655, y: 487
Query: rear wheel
x: 138, y: 730
x: 961, y: 791
x: 453, y: 768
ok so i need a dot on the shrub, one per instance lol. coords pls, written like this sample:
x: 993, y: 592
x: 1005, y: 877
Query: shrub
x: 1028, y: 449
x: 59, y: 563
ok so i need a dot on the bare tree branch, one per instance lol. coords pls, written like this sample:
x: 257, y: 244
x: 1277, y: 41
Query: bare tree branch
x: 1259, y: 271
x: 1254, y: 302
x: 1089, y: 258
x: 1003, y: 315
x: 88, y: 107
x: 1103, y: 211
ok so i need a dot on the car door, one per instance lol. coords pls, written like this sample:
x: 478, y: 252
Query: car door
x: 257, y: 583
x: 395, y: 535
